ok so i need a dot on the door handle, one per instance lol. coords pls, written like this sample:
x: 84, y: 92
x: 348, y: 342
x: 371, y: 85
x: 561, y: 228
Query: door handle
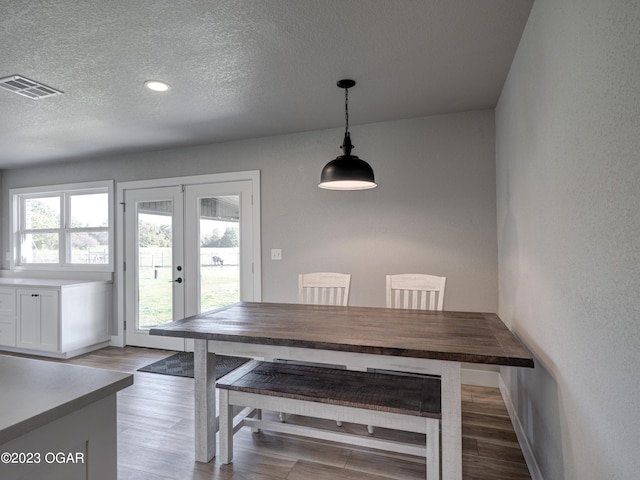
x: 177, y: 280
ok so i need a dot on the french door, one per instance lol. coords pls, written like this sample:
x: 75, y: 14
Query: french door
x: 189, y: 248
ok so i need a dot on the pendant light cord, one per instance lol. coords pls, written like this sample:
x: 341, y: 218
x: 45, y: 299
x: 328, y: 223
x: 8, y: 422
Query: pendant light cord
x: 346, y: 110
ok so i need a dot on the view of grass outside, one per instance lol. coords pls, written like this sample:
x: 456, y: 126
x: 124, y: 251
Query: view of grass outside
x: 219, y: 284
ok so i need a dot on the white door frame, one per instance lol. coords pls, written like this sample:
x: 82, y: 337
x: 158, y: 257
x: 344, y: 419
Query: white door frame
x: 252, y: 294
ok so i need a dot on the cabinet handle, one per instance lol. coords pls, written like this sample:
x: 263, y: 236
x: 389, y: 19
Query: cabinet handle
x: 35, y: 295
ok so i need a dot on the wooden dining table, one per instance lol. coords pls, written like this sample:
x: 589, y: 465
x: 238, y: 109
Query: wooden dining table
x: 428, y: 342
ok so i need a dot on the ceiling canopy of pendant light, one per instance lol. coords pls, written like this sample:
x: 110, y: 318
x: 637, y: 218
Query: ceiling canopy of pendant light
x: 347, y: 172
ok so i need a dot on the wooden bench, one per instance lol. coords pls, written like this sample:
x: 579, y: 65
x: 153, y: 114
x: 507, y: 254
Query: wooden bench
x: 409, y: 404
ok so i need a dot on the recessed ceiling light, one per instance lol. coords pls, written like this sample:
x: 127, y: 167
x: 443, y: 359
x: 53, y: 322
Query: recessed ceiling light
x: 157, y: 85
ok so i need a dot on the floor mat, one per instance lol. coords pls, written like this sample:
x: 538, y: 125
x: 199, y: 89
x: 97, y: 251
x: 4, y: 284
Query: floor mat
x: 181, y: 365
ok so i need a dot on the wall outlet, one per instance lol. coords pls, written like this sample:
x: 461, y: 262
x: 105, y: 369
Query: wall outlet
x: 276, y: 254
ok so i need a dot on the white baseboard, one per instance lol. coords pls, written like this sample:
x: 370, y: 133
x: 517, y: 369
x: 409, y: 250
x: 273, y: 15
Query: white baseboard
x: 525, y: 446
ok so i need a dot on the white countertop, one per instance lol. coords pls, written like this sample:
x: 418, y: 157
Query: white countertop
x: 42, y: 282
x: 36, y: 392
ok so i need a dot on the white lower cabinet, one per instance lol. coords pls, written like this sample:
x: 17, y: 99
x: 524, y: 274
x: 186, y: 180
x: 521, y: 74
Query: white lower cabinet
x: 60, y: 318
x: 38, y: 319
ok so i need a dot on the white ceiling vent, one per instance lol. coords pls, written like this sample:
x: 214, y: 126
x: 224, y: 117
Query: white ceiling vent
x: 27, y: 88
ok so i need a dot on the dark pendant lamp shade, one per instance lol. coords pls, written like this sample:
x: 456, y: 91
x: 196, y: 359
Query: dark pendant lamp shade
x: 347, y: 172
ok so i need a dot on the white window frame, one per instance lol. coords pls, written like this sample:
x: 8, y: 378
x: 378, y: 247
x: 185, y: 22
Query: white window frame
x: 17, y: 197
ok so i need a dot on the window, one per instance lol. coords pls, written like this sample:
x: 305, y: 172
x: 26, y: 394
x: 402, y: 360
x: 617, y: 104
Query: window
x: 66, y: 227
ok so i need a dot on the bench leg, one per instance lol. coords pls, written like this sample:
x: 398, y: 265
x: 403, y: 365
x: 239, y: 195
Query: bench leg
x: 433, y: 449
x: 257, y: 416
x: 226, y: 427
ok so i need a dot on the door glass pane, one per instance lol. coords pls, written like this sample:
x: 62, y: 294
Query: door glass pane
x: 219, y: 251
x: 155, y: 264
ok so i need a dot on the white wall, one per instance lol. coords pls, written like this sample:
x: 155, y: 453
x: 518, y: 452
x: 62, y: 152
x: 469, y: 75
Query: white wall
x: 568, y: 186
x: 433, y: 212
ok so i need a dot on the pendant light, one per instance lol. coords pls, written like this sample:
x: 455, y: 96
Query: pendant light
x: 347, y: 172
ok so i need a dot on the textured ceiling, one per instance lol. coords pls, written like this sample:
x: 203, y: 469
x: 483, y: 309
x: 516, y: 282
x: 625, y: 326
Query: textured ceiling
x: 240, y: 68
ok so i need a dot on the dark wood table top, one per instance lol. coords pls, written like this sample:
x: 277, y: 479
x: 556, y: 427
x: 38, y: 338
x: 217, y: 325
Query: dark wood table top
x: 453, y: 336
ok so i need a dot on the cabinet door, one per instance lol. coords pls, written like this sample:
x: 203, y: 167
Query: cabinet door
x: 8, y: 317
x: 8, y: 330
x: 38, y: 320
x: 28, y: 320
x: 7, y: 302
x: 49, y: 320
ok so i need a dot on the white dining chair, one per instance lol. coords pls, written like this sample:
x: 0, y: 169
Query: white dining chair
x: 416, y: 291
x: 324, y: 288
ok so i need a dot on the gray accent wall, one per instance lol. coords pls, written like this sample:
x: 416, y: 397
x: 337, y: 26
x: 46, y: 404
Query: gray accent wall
x: 433, y: 212
x: 568, y: 195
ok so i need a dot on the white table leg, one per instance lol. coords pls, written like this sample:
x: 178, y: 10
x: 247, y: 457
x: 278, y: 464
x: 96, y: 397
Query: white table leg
x: 451, y: 422
x: 205, y: 402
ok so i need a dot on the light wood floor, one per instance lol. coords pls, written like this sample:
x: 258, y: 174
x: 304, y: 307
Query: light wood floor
x: 155, y: 437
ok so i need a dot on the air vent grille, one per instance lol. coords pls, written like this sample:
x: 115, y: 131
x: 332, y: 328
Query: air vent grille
x: 27, y: 88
